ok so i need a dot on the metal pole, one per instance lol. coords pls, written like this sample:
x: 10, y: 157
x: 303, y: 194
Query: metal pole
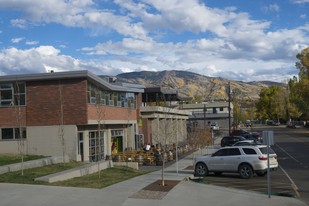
x: 267, y: 136
x: 229, y: 95
x: 177, y: 130
x: 204, y: 116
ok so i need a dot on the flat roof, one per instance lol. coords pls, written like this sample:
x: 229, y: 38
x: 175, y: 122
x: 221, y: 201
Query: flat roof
x: 206, y: 104
x: 72, y: 75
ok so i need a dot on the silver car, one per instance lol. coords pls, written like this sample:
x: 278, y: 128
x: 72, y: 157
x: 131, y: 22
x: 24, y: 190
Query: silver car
x: 245, y: 160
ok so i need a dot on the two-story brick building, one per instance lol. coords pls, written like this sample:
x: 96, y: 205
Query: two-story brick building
x: 77, y: 113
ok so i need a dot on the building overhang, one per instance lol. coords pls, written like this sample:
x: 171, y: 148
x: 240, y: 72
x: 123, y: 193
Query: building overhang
x: 163, y: 112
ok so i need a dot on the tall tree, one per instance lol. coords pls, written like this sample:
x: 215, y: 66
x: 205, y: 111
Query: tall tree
x: 61, y: 121
x: 274, y: 103
x: 268, y: 103
x: 299, y: 87
x: 19, y: 132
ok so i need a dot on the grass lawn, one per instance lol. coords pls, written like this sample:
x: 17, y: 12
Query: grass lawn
x: 31, y: 174
x: 107, y: 177
x: 11, y: 159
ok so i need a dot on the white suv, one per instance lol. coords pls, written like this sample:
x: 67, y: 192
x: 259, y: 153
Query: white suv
x: 214, y: 126
x: 245, y: 160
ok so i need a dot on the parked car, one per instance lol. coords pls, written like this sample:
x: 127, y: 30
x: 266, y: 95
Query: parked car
x: 273, y: 123
x: 238, y: 132
x: 255, y: 136
x: 246, y: 143
x: 248, y: 123
x: 214, y: 126
x: 230, y: 140
x: 291, y: 125
x: 245, y: 160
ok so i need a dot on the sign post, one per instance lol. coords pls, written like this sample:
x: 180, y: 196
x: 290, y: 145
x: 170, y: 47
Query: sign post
x: 268, y: 137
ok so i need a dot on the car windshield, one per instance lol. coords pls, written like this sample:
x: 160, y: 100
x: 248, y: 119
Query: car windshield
x: 264, y: 150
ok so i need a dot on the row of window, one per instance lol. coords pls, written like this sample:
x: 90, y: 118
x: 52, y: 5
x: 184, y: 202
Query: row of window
x: 213, y: 110
x: 13, y: 133
x: 99, y: 96
x: 12, y: 94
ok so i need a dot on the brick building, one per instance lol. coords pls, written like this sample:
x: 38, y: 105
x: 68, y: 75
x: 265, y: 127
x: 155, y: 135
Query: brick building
x: 78, y: 113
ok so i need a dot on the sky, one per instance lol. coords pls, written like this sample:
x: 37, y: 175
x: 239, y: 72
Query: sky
x: 244, y: 40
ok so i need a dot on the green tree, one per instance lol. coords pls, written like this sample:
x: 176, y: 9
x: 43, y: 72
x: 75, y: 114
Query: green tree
x: 274, y: 103
x: 299, y: 87
x: 237, y: 115
x: 268, y: 103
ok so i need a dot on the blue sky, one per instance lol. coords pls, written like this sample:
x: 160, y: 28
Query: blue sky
x: 243, y: 40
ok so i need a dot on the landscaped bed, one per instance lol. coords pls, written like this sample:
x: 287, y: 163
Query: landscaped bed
x: 12, y: 159
x: 105, y: 178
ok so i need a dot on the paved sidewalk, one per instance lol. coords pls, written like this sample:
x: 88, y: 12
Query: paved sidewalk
x: 185, y: 193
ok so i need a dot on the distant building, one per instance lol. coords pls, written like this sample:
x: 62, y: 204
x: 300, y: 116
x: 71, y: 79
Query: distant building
x: 203, y: 114
x: 95, y: 117
x: 161, y: 122
x: 161, y: 117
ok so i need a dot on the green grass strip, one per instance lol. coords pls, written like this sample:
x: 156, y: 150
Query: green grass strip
x: 11, y: 159
x: 107, y: 177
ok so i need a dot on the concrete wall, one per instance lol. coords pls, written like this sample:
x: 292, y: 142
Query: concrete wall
x: 12, y: 147
x: 76, y: 172
x: 45, y: 140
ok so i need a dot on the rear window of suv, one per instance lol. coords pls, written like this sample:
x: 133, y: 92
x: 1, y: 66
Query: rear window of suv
x: 249, y: 151
x: 264, y: 150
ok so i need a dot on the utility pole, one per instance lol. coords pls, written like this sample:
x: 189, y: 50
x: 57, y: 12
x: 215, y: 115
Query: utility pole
x: 229, y: 95
x: 204, y: 116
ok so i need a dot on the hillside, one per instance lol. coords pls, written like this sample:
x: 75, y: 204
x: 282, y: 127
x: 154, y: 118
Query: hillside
x: 190, y: 84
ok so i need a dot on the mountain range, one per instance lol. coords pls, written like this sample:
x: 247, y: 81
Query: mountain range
x: 193, y: 85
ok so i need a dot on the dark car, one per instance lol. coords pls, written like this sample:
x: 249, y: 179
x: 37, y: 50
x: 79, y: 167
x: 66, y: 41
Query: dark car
x: 253, y: 136
x: 272, y: 123
x: 230, y: 140
x: 239, y: 132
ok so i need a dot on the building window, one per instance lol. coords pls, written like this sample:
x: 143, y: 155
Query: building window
x: 13, y: 133
x: 12, y: 94
x: 97, y: 95
x: 96, y: 146
x: 221, y: 109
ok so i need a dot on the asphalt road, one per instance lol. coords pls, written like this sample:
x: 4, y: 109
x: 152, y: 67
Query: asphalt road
x: 292, y: 176
x: 292, y: 148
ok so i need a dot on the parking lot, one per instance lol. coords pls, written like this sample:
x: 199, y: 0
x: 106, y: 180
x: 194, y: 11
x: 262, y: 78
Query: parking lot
x: 280, y: 184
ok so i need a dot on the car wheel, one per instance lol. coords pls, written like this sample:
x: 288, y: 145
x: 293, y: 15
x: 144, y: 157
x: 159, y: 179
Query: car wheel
x: 261, y: 174
x: 217, y: 173
x: 201, y: 169
x: 245, y: 171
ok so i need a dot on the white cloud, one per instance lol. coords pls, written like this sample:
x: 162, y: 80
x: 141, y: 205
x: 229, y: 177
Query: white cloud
x: 272, y: 8
x: 74, y: 13
x: 300, y: 1
x: 20, y: 23
x: 303, y: 16
x: 17, y: 40
x: 44, y: 58
x: 31, y: 42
